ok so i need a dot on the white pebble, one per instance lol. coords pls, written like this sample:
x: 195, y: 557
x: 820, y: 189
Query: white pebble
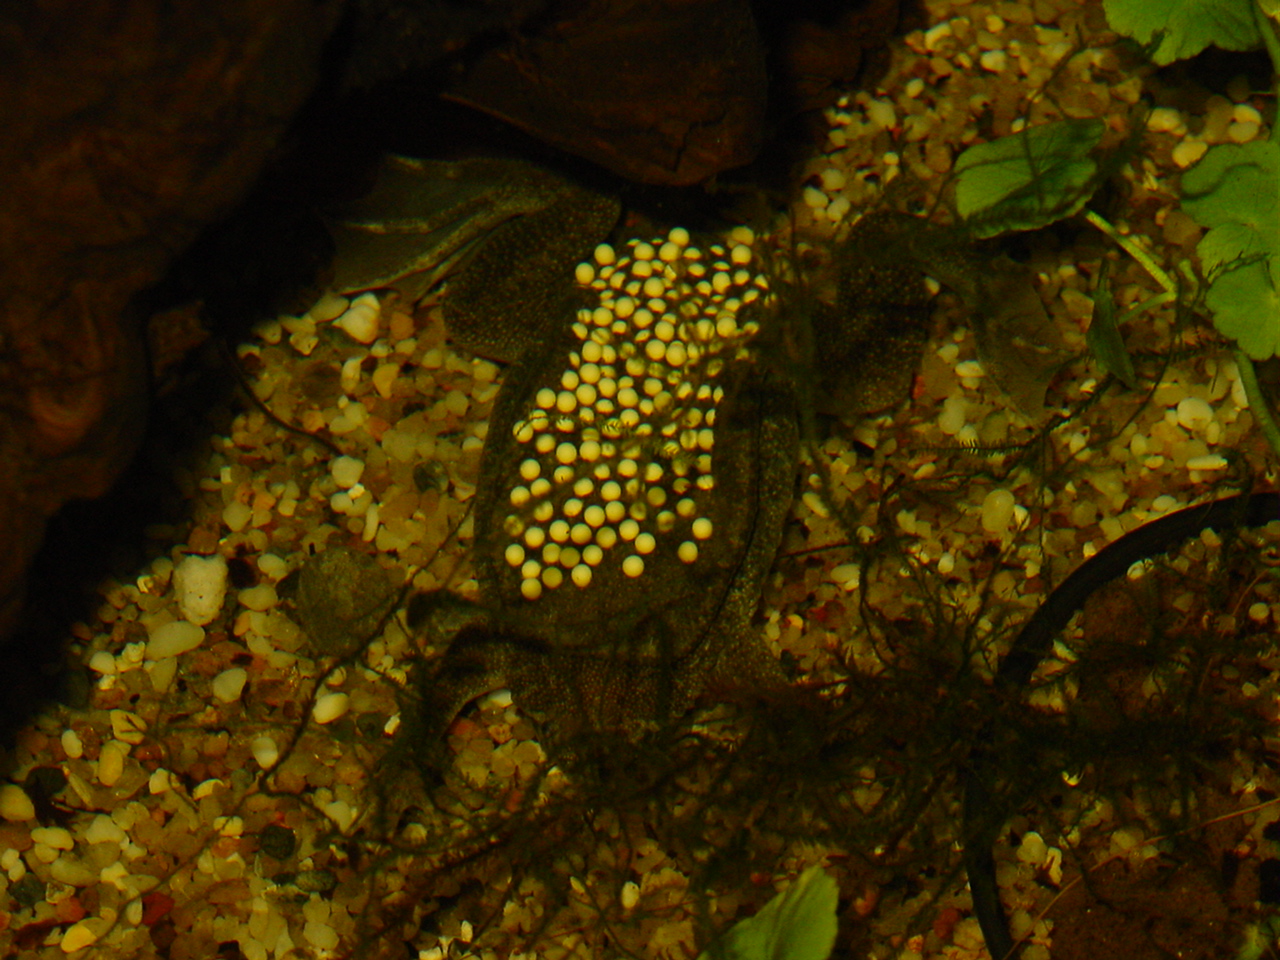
x: 229, y: 684
x: 330, y: 707
x: 361, y: 320
x: 997, y: 511
x: 346, y: 471
x: 814, y: 199
x: 103, y: 662
x: 630, y: 895
x: 1194, y: 413
x: 173, y: 639
x: 200, y: 584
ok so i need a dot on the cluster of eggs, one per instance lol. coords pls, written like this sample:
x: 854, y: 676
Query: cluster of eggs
x: 620, y: 450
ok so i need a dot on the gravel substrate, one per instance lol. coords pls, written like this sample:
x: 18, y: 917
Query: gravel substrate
x: 243, y: 784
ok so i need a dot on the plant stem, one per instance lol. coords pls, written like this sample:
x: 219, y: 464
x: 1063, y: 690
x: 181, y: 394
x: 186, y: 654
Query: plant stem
x: 1134, y: 250
x: 1257, y: 402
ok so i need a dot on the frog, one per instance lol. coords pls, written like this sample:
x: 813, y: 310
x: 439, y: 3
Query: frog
x: 636, y: 477
x: 642, y: 455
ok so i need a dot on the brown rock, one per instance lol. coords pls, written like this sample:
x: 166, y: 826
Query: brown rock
x: 659, y: 91
x: 129, y: 124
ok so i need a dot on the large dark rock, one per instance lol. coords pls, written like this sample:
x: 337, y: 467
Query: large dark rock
x: 128, y: 126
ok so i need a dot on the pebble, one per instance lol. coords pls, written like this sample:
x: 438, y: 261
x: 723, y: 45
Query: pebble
x: 362, y: 319
x: 882, y: 114
x: 229, y: 684
x: 996, y: 61
x: 1165, y: 120
x: 265, y: 751
x: 1246, y: 113
x: 102, y: 829
x: 71, y: 744
x: 1194, y: 413
x: 833, y: 180
x: 1212, y: 461
x: 260, y: 598
x: 128, y: 727
x: 103, y: 662
x: 15, y: 805
x: 273, y: 566
x: 236, y: 515
x: 77, y: 937
x: 174, y: 639
x: 997, y: 512
x: 341, y: 813
x: 1242, y: 132
x: 952, y: 418
x: 57, y: 837
x: 111, y: 762
x: 200, y: 584
x: 330, y: 707
x: 384, y: 378
x: 847, y: 576
x: 1189, y: 152
x: 814, y: 198
x: 328, y: 307
x: 630, y: 895
x: 346, y: 471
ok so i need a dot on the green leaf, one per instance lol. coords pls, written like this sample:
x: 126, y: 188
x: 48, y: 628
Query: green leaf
x: 1182, y: 28
x: 1235, y: 191
x: 1029, y: 179
x: 797, y: 924
x: 1103, y: 335
x: 1246, y: 307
